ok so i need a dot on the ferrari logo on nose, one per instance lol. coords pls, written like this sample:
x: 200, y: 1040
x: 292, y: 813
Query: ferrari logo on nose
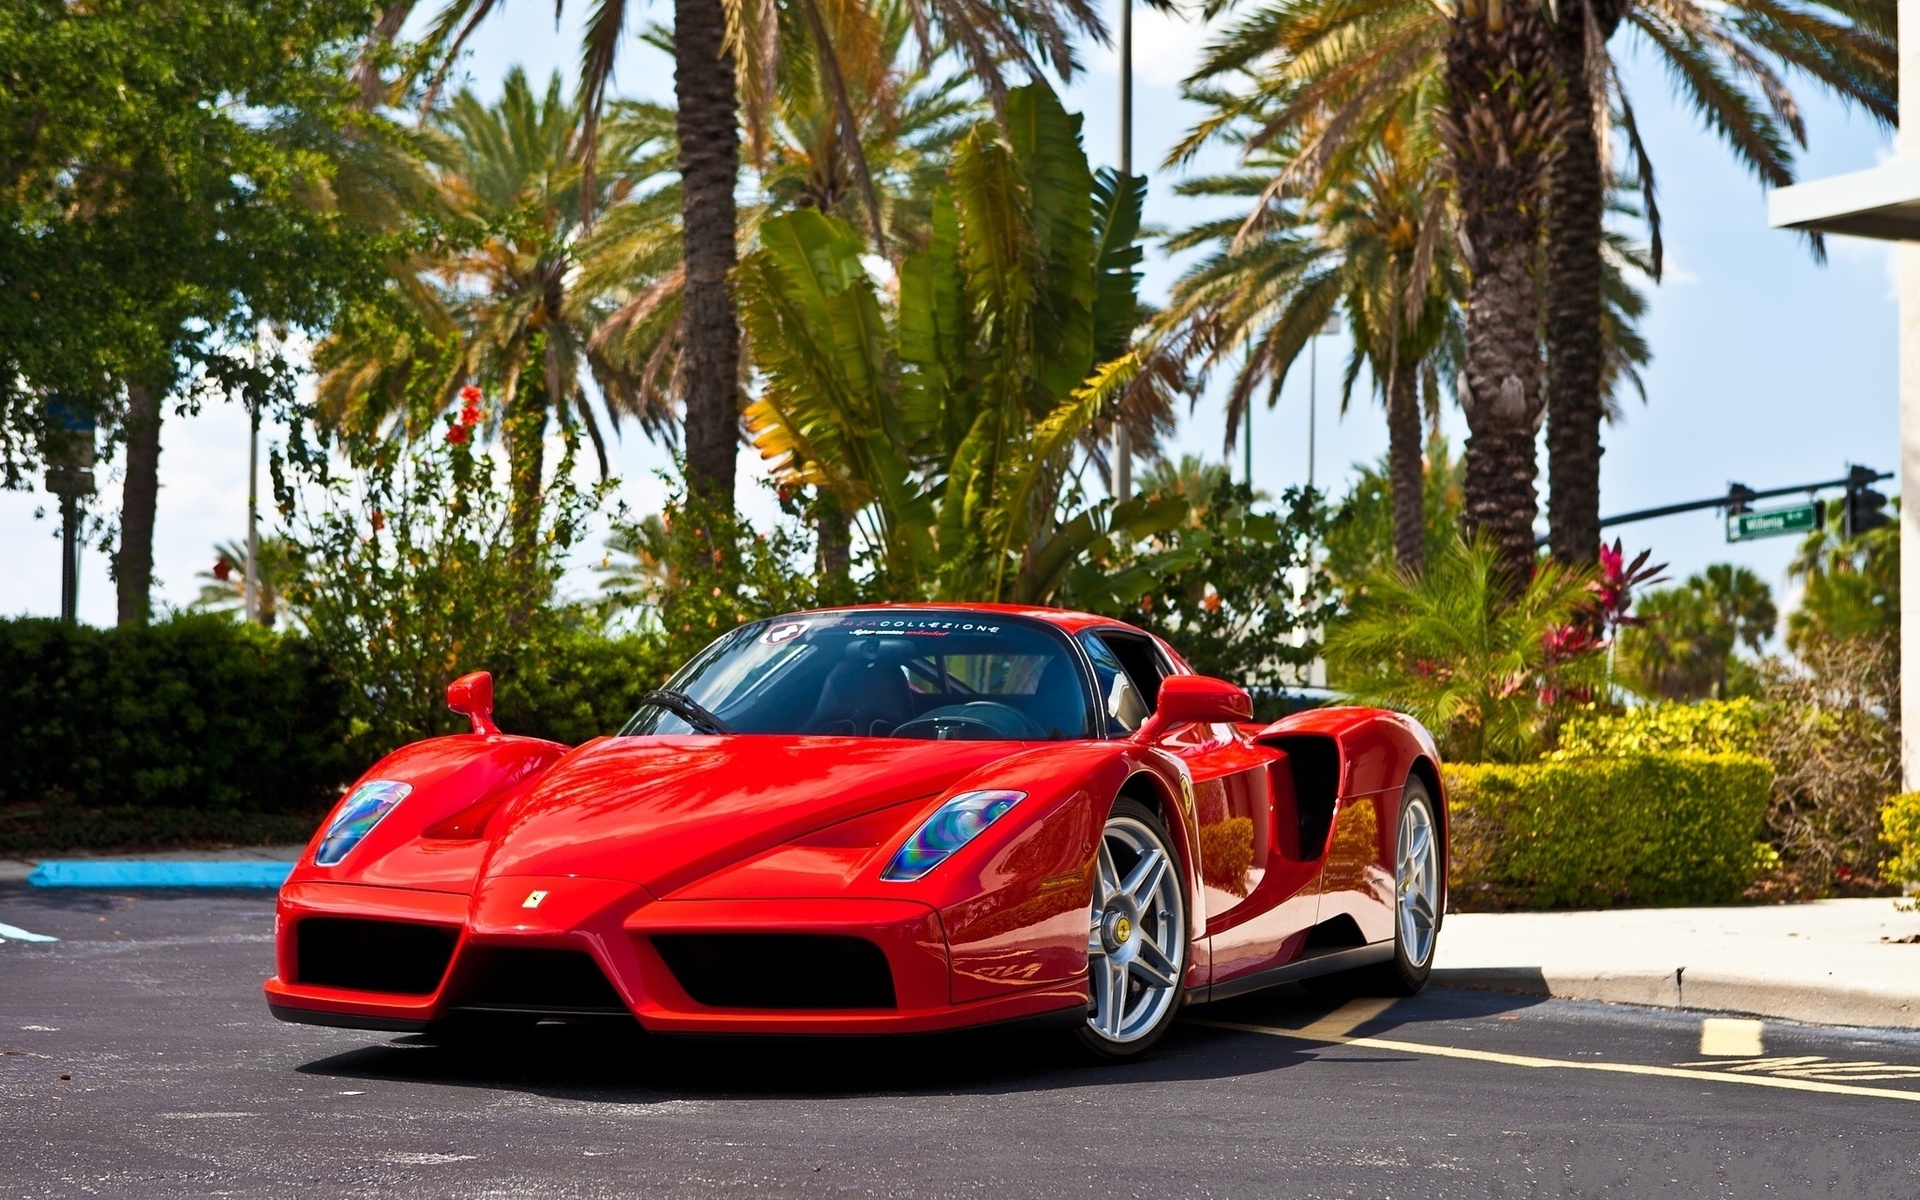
x: 533, y: 900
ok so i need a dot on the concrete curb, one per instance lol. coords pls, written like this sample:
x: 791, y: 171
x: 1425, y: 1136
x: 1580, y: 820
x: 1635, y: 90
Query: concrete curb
x: 1708, y: 991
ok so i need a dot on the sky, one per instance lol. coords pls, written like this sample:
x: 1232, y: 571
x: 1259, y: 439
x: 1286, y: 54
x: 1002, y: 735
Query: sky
x: 1770, y: 368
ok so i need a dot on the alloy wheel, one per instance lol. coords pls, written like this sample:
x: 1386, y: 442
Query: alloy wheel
x: 1417, y: 884
x: 1137, y: 933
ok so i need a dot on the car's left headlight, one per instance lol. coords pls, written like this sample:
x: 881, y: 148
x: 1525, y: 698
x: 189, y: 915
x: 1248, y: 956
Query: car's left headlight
x: 358, y: 814
x: 951, y: 826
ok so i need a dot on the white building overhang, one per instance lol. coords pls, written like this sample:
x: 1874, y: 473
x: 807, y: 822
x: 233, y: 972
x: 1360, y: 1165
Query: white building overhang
x: 1880, y: 203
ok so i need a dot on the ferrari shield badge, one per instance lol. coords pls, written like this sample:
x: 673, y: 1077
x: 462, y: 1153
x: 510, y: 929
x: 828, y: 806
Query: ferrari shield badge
x: 357, y: 817
x: 783, y: 633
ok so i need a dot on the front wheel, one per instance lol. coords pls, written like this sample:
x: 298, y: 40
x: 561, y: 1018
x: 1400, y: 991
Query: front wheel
x: 1137, y: 937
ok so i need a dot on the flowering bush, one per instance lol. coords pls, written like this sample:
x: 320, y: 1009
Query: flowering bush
x: 414, y: 579
x: 1900, y: 833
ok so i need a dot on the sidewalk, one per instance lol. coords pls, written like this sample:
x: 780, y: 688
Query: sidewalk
x: 16, y: 870
x: 1837, y: 962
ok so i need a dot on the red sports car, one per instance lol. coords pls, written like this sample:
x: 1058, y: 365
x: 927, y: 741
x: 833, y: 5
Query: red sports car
x: 878, y: 820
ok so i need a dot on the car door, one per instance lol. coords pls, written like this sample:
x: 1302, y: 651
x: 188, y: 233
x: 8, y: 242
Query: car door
x: 1255, y: 898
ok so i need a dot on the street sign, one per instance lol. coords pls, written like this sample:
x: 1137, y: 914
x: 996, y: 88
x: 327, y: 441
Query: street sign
x: 1773, y: 522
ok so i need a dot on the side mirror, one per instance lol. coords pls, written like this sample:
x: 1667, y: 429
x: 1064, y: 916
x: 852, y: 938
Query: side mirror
x: 1195, y: 700
x: 472, y: 696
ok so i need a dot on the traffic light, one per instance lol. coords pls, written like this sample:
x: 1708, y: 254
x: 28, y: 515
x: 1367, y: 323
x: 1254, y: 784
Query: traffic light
x: 1864, y: 505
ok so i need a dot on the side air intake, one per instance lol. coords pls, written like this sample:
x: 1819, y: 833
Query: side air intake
x: 778, y: 970
x: 372, y: 956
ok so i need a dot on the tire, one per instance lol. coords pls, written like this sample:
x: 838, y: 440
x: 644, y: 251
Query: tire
x: 1419, y: 903
x: 1137, y: 937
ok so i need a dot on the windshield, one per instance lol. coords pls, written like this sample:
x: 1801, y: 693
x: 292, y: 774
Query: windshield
x: 908, y: 673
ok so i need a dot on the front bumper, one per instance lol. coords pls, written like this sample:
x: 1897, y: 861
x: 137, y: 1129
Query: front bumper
x: 615, y: 924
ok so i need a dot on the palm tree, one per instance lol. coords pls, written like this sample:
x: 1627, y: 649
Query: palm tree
x: 1726, y: 59
x: 712, y: 41
x: 1334, y: 72
x: 1377, y: 241
x: 504, y: 301
x: 909, y: 118
x: 277, y: 567
x: 945, y: 420
x: 1329, y: 77
x: 1682, y: 645
x: 1464, y: 649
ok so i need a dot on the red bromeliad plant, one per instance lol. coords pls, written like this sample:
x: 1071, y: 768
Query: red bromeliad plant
x: 1597, y: 624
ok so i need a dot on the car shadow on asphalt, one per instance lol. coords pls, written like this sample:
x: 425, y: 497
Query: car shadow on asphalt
x: 620, y: 1065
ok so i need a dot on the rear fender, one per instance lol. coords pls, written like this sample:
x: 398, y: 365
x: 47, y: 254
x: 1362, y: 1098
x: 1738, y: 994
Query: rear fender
x: 1378, y: 749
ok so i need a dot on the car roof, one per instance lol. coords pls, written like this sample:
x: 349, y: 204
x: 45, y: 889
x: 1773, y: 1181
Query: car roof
x: 1060, y: 618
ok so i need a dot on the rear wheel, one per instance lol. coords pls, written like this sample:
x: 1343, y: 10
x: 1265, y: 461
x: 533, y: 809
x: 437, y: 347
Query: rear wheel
x: 1137, y: 936
x: 1418, y: 898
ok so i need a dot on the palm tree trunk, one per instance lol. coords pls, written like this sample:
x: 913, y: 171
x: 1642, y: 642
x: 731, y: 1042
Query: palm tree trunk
x: 1576, y: 199
x: 834, y: 535
x: 1499, y: 128
x: 709, y: 168
x: 526, y: 430
x: 139, y: 498
x: 1405, y: 470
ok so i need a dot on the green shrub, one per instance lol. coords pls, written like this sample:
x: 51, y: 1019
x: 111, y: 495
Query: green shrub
x: 198, y: 712
x: 1652, y: 829
x: 580, y: 684
x: 1900, y: 830
x: 1707, y: 727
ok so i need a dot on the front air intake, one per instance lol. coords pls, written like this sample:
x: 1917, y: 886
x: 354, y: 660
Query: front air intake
x: 558, y: 982
x: 372, y: 956
x: 778, y: 970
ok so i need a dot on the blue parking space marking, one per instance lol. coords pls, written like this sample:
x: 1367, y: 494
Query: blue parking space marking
x: 97, y: 873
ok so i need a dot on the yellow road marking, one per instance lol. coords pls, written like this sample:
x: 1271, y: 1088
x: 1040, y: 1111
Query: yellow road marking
x: 1534, y: 1061
x: 1731, y: 1037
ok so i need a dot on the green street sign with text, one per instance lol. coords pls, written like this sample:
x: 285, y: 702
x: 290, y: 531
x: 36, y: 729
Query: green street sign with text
x: 1774, y: 522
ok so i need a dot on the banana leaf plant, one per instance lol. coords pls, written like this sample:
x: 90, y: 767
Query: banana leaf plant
x: 942, y: 408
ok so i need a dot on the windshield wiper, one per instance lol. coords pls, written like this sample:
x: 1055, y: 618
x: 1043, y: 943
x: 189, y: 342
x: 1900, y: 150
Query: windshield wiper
x: 687, y: 709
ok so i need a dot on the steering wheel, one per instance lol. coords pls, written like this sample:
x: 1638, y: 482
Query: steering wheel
x: 974, y: 721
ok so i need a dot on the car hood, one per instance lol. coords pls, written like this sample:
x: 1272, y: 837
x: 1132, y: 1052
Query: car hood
x: 665, y: 811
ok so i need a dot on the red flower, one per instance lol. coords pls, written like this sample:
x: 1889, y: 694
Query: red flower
x: 222, y: 569
x: 379, y: 520
x: 457, y: 434
x: 470, y: 396
x: 1212, y: 602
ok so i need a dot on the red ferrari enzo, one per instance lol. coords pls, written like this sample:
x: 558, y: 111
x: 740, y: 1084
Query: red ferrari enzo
x: 876, y: 820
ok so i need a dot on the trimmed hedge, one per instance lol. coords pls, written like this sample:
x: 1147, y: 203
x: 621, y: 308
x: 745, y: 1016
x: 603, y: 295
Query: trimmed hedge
x: 198, y: 712
x: 1702, y: 727
x: 202, y: 729
x: 1645, y: 829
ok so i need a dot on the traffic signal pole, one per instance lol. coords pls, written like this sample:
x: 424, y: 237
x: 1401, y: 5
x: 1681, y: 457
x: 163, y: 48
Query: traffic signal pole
x: 1857, y: 481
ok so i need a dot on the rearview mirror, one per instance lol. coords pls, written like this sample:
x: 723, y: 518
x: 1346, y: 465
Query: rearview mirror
x: 1196, y: 700
x: 472, y: 697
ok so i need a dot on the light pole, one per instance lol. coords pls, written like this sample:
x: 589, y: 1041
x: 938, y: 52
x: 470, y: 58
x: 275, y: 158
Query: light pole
x: 1330, y: 329
x: 70, y: 454
x: 1123, y: 440
x: 252, y: 584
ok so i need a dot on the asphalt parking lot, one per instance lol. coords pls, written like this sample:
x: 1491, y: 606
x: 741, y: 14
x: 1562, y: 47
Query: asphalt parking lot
x: 137, y: 1059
